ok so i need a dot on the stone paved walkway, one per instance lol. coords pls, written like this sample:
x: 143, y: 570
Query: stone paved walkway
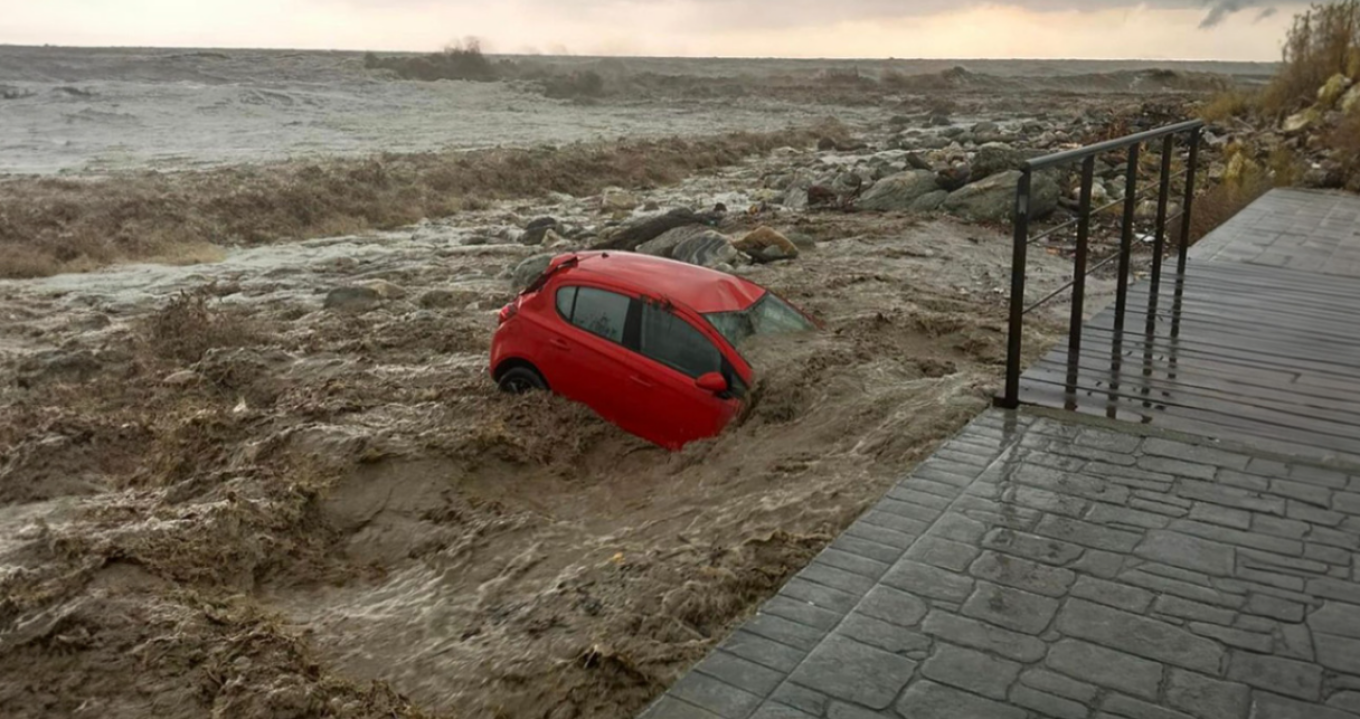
x: 1042, y: 568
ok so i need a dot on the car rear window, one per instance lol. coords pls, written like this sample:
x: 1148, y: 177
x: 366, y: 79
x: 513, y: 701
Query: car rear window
x: 566, y: 302
x: 601, y: 312
x: 672, y: 341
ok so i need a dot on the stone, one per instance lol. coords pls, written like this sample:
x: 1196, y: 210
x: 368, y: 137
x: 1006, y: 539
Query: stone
x: 352, y: 299
x: 668, y: 707
x: 775, y: 710
x: 1350, y: 100
x: 1010, y: 608
x: 1188, y: 552
x: 928, y: 581
x: 898, y: 192
x: 1047, y: 704
x: 1273, y: 706
x: 1042, y: 549
x: 927, y: 700
x: 1339, y: 653
x: 713, y: 695
x: 1137, y: 709
x: 182, y: 378
x: 756, y: 242
x: 1332, y: 90
x: 1087, y: 534
x: 760, y: 650
x: 529, y: 269
x: 1138, y: 635
x: 1234, y: 637
x: 979, y: 635
x: 1186, y: 609
x: 1299, y: 121
x: 992, y: 199
x: 893, y: 606
x: 1336, y: 618
x: 971, y: 670
x: 846, y: 669
x: 1267, y: 606
x: 887, y: 636
x: 994, y: 159
x: 663, y: 244
x: 386, y: 290
x: 618, y: 200
x: 943, y: 553
x: 1205, y: 697
x: 1023, y: 574
x: 1275, y: 674
x: 536, y: 230
x: 784, y: 631
x: 1113, y: 594
x: 707, y: 249
x: 1055, y: 683
x: 1106, y: 667
x: 740, y: 673
x: 953, y: 177
x: 633, y: 233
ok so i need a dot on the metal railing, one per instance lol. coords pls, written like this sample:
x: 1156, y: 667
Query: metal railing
x: 1087, y: 155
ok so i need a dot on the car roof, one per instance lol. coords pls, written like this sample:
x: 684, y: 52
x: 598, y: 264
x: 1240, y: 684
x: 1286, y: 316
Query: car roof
x: 702, y: 289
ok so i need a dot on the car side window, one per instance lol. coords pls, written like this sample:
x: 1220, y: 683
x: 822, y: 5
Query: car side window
x: 600, y: 312
x: 670, y: 340
x: 566, y: 302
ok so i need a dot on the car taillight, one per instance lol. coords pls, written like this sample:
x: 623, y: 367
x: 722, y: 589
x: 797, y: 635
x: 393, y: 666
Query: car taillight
x: 507, y: 312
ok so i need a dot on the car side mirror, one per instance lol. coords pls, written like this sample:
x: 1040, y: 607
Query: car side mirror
x: 712, y: 382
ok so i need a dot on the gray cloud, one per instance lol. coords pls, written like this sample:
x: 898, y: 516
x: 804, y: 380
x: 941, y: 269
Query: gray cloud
x: 1267, y: 13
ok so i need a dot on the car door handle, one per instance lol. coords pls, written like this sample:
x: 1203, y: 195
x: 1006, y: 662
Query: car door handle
x: 640, y: 381
x: 561, y: 344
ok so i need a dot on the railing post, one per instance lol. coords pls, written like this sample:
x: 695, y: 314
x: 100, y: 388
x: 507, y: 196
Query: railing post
x: 1088, y: 169
x: 1011, y: 398
x: 1121, y: 300
x: 1159, y: 241
x: 1189, y: 203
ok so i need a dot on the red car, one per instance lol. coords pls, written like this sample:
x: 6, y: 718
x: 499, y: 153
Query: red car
x: 648, y: 343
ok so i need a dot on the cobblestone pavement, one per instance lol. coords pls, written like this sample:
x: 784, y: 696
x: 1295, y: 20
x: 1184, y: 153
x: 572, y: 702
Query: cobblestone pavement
x: 1039, y: 568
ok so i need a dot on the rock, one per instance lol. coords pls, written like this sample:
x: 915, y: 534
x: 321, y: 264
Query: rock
x: 993, y: 159
x: 1032, y: 128
x: 1300, y: 121
x: 802, y: 241
x: 708, y: 249
x: 554, y: 241
x: 58, y: 366
x: 1351, y: 100
x: 938, y: 119
x: 663, y: 245
x: 985, y: 128
x: 929, y: 202
x: 954, y: 177
x: 1332, y: 90
x: 953, y: 133
x: 826, y: 143
x: 764, y: 244
x: 1099, y: 195
x: 992, y: 199
x: 386, y: 290
x: 352, y: 299
x: 181, y: 378
x: 628, y: 236
x: 617, y: 200
x: 847, y: 183
x: 821, y: 195
x: 897, y: 192
x: 529, y: 269
x: 899, y: 120
x: 651, y: 206
x: 438, y: 298
x: 916, y: 162
x: 1147, y: 210
x: 534, y: 231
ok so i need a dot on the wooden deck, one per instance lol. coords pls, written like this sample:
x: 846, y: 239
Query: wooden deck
x: 1258, y: 342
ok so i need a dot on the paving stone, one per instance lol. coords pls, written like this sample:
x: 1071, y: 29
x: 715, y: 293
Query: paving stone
x: 1348, y: 502
x: 799, y: 636
x: 1124, y: 517
x: 895, y: 522
x: 1042, y: 549
x: 1164, y: 497
x: 1336, y: 618
x: 1139, y: 635
x: 927, y: 581
x: 1055, y: 683
x: 1106, y: 667
x: 1278, y: 526
x: 1022, y: 574
x: 1279, y: 545
x: 1267, y: 606
x: 1239, y: 638
x: 1179, y: 588
x: 1086, y: 534
x: 1187, y: 609
x: 1113, y: 594
x: 1318, y: 475
x: 1047, y: 704
x: 822, y: 573
x: 855, y: 563
x: 802, y: 612
x: 943, y: 553
x: 1339, y: 653
x: 668, y: 707
x: 1275, y: 674
x: 1313, y: 515
x: 740, y: 673
x: 820, y: 595
x: 1184, y: 575
x: 958, y: 528
x: 1080, y: 485
x: 885, y: 635
x: 927, y: 700
x: 1345, y: 701
x: 1047, y: 501
x: 1095, y: 562
x: 1123, y: 706
x: 1257, y: 559
x: 1091, y: 454
x: 760, y: 650
x: 775, y: 710
x: 1296, y: 641
x: 716, y: 696
x: 894, y: 606
x: 1310, y: 493
x: 1273, y: 706
x: 1230, y: 497
x: 1347, y: 538
x: 1010, y: 608
x: 971, y: 670
x: 908, y: 509
x: 1335, y: 589
x: 882, y: 535
x: 867, y: 548
x: 1109, y: 441
x: 1331, y: 555
x: 801, y: 698
x: 846, y: 669
x: 1134, y: 477
x: 1217, y: 514
x: 1268, y: 467
x: 1273, y: 579
x: 1169, y: 510
x: 904, y: 492
x: 938, y: 489
x: 1206, y: 697
x: 1195, y: 453
x: 1187, y: 551
x: 980, y: 635
x: 1244, y: 481
x: 841, y: 710
x: 1056, y: 461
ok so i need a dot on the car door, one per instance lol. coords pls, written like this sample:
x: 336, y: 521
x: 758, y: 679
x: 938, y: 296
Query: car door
x: 588, y: 360
x: 677, y: 353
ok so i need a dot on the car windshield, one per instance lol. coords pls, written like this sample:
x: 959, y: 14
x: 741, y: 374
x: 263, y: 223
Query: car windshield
x: 768, y: 315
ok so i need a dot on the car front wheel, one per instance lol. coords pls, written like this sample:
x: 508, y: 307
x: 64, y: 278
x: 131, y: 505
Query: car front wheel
x: 519, y: 380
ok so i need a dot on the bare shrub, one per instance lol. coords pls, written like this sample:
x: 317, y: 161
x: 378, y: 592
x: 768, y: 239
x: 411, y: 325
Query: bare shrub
x: 188, y: 326
x: 1324, y: 41
x: 1227, y: 105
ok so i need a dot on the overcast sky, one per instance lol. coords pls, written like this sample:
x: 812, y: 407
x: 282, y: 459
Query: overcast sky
x: 1163, y: 29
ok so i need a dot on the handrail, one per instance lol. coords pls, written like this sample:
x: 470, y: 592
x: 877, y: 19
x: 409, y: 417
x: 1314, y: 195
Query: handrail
x: 1087, y: 156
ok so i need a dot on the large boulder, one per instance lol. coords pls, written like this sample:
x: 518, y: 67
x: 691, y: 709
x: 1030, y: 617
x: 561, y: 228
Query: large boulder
x: 628, y: 236
x: 1332, y: 90
x: 993, y: 199
x: 663, y: 246
x: 536, y: 230
x: 994, y: 159
x: 352, y: 299
x: 765, y: 245
x: 707, y: 249
x: 897, y: 192
x: 929, y: 202
x: 529, y: 269
x: 1351, y: 100
x: 1301, y: 121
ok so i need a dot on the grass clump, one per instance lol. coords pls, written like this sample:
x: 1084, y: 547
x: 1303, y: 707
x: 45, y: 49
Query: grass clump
x: 1324, y: 41
x: 188, y: 326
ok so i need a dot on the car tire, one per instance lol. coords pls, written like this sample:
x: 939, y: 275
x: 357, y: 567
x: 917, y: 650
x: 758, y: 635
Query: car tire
x: 518, y: 380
